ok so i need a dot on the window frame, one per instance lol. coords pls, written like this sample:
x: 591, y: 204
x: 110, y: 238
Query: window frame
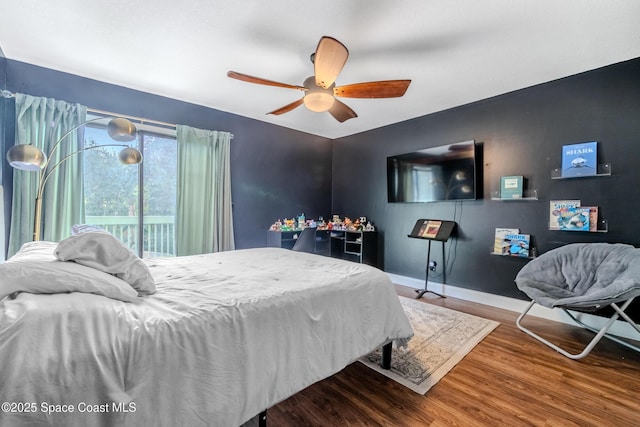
x: 142, y: 130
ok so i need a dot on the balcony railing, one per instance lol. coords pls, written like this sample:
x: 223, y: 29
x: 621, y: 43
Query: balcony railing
x: 158, y: 232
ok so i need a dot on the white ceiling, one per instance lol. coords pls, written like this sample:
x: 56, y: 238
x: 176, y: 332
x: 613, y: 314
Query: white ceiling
x: 454, y: 51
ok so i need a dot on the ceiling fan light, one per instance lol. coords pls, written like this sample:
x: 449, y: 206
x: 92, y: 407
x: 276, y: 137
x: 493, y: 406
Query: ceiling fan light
x: 317, y: 99
x: 318, y: 102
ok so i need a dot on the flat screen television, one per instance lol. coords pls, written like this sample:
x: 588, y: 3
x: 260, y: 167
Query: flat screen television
x: 434, y: 174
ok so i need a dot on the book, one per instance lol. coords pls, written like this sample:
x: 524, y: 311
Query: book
x: 593, y: 218
x: 430, y: 229
x: 554, y: 211
x: 574, y: 218
x: 511, y: 187
x: 579, y: 159
x: 518, y: 244
x: 422, y: 230
x: 500, y: 247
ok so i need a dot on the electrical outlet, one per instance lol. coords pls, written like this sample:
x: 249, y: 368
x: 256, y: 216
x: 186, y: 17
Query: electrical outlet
x: 432, y: 265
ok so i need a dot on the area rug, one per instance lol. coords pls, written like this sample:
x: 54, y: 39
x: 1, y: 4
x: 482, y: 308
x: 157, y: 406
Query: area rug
x: 442, y: 338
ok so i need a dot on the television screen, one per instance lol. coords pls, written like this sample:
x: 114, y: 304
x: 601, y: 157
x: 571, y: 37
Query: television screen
x: 433, y: 174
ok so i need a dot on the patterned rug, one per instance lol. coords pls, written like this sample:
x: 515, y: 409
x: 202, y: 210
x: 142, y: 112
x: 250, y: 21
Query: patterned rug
x: 442, y: 337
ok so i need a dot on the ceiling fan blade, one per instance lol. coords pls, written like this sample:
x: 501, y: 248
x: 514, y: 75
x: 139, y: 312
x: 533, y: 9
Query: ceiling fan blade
x: 260, y: 81
x: 341, y: 111
x: 330, y: 57
x: 287, y: 107
x: 381, y: 89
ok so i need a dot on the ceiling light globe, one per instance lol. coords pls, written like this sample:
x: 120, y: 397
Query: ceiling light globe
x: 317, y: 99
x: 318, y: 102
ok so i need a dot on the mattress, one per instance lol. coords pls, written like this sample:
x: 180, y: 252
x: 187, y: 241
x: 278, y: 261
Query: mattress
x: 225, y: 336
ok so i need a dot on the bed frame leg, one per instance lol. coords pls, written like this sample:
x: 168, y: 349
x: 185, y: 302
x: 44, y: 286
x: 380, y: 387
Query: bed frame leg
x: 386, y: 355
x: 262, y: 419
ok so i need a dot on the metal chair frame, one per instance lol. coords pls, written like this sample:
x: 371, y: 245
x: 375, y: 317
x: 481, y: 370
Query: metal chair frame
x: 600, y: 333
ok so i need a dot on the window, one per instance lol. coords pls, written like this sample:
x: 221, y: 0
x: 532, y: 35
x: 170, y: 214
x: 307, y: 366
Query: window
x: 136, y: 203
x: 422, y: 182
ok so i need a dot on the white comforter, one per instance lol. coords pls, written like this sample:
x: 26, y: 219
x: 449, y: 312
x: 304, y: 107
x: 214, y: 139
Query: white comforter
x: 226, y: 336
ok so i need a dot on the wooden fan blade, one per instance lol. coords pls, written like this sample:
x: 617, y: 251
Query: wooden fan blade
x: 287, y: 107
x: 260, y: 81
x: 330, y: 57
x: 341, y: 111
x: 381, y: 89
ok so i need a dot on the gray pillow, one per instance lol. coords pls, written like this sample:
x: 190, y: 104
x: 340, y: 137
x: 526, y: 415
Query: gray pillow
x: 104, y: 252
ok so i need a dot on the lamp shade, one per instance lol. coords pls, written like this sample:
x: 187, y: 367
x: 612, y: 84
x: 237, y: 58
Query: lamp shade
x: 130, y: 156
x: 26, y: 157
x: 318, y: 99
x: 121, y: 129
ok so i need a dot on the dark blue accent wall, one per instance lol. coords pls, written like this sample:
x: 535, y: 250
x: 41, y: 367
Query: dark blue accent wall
x: 519, y: 133
x: 278, y: 172
x: 275, y: 172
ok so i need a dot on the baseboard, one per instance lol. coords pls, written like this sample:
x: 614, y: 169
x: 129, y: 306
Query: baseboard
x: 620, y: 328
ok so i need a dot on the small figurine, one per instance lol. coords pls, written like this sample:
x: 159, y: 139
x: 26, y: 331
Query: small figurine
x: 322, y: 225
x: 276, y: 226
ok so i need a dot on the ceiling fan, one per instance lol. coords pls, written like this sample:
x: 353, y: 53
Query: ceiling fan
x: 320, y: 89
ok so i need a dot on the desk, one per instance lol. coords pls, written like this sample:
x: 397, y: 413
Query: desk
x: 356, y: 246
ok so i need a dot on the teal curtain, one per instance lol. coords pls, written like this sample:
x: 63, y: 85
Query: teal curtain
x: 204, y: 219
x: 41, y: 122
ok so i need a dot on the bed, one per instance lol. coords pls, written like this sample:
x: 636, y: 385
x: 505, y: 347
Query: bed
x: 212, y: 340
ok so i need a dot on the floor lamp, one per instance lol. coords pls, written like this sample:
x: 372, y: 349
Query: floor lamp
x: 30, y: 158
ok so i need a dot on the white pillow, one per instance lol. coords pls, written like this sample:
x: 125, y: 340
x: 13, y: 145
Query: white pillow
x: 104, y: 252
x: 84, y: 228
x: 35, y: 269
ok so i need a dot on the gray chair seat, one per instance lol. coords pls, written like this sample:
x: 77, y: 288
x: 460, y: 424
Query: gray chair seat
x: 583, y: 277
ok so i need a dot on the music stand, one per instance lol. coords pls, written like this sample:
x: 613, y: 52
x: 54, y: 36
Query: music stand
x: 432, y: 229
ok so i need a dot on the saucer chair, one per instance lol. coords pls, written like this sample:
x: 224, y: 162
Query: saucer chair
x: 583, y: 277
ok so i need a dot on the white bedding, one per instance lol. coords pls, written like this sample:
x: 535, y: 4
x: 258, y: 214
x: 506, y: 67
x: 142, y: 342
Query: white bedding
x: 225, y: 336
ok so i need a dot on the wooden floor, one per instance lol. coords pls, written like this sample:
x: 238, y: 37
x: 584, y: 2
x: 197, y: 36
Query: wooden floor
x: 509, y: 379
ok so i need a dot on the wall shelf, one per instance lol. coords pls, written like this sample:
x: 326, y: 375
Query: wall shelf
x: 603, y: 227
x: 603, y: 169
x: 529, y: 195
x: 511, y: 256
x: 521, y: 199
